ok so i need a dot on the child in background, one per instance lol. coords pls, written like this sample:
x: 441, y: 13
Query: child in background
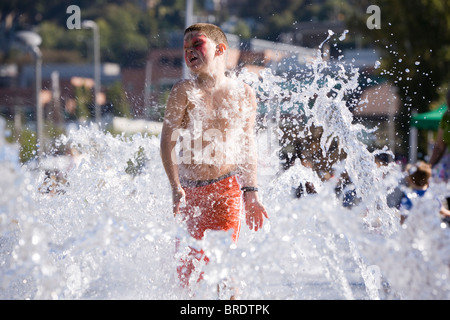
x: 418, y: 180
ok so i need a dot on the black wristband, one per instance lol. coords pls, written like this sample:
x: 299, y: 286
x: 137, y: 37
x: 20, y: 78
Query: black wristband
x: 249, y: 189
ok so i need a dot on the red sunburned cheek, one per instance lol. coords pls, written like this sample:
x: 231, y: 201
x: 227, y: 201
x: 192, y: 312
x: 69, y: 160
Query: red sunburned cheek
x: 199, y: 44
x: 201, y: 48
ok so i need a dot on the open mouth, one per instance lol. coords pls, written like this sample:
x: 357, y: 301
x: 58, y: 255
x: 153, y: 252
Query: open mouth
x: 192, y: 59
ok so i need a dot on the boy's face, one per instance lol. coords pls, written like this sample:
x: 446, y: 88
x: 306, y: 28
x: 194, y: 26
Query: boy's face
x: 199, y: 51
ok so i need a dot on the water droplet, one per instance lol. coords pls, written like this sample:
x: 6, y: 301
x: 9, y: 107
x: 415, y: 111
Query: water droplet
x: 343, y: 35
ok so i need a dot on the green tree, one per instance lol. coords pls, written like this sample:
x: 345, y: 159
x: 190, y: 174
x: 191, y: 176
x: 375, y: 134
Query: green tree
x: 125, y: 31
x: 84, y: 100
x: 28, y: 145
x: 116, y: 95
x: 55, y: 36
x: 242, y: 29
x: 414, y: 39
x: 275, y: 17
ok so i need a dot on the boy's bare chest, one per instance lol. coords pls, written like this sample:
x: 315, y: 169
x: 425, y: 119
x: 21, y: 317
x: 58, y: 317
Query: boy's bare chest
x: 215, y: 110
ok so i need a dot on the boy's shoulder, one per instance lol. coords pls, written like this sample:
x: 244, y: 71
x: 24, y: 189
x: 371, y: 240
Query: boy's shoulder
x: 183, y: 84
x: 181, y: 88
x: 236, y: 84
x: 238, y: 87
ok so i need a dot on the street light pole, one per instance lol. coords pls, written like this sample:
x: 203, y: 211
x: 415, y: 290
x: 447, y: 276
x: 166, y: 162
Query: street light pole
x: 32, y: 41
x: 89, y: 24
x: 189, y: 20
x: 39, y: 109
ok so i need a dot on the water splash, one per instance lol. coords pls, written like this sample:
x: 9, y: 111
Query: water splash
x: 103, y: 233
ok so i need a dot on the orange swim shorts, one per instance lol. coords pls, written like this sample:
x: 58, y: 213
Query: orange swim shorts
x: 210, y: 205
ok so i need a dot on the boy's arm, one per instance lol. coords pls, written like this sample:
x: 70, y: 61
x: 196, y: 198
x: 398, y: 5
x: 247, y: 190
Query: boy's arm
x: 254, y: 210
x: 249, y: 168
x: 173, y: 118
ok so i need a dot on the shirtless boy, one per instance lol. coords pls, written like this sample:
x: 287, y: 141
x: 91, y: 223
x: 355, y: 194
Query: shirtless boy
x: 213, y: 117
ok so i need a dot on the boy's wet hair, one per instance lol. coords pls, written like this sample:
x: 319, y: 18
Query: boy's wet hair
x: 210, y: 30
x: 383, y: 159
x: 419, y: 173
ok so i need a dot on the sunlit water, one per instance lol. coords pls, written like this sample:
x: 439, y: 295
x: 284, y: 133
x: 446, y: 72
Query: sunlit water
x: 108, y: 233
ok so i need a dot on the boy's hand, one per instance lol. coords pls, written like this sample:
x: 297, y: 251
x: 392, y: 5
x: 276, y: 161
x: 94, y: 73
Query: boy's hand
x: 254, y: 211
x: 177, y: 196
